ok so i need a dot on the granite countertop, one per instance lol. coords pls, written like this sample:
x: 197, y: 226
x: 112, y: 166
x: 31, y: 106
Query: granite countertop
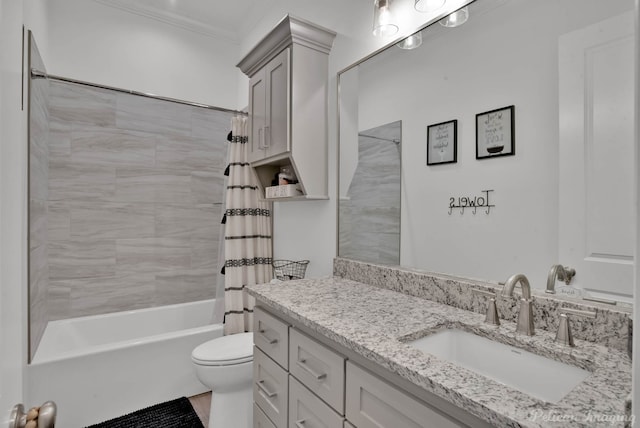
x: 374, y: 322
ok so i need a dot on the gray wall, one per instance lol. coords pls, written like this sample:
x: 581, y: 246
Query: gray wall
x: 135, y: 192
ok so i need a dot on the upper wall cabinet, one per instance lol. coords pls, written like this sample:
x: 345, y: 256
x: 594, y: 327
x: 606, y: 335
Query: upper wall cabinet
x: 288, y: 72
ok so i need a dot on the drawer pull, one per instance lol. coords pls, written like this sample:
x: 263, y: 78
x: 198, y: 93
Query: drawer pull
x: 265, y: 390
x: 302, y: 364
x: 266, y: 338
x: 300, y: 423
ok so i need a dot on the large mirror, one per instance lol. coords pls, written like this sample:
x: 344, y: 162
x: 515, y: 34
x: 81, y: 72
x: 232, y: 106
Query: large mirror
x: 564, y: 192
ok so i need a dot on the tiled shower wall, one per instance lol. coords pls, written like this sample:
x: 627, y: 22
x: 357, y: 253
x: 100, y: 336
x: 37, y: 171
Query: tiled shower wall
x: 134, y: 201
x: 38, y: 195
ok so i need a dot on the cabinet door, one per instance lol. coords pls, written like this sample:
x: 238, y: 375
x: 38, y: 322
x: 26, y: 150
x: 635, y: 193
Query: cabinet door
x: 270, y: 388
x: 276, y: 132
x: 308, y: 411
x: 272, y: 336
x: 260, y: 420
x: 257, y: 115
x: 319, y: 368
x: 373, y: 403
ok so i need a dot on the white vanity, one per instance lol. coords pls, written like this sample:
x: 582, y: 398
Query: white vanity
x: 334, y: 352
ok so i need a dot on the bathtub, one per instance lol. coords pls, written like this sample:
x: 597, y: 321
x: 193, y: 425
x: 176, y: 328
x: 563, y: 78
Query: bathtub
x: 99, y: 367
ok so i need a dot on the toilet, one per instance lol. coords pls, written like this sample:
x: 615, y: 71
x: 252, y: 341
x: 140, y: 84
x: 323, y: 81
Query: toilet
x: 225, y: 365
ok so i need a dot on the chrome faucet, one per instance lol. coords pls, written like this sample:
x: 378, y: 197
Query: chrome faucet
x: 563, y: 273
x: 525, y: 314
x: 564, y: 335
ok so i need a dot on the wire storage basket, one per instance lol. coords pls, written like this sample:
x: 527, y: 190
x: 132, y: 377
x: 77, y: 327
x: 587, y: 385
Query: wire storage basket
x: 286, y: 270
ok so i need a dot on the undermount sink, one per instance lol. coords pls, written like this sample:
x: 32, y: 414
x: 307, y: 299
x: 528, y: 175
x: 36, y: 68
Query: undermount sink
x: 540, y: 377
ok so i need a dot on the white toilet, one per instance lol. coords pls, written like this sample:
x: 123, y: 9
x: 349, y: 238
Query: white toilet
x: 225, y: 365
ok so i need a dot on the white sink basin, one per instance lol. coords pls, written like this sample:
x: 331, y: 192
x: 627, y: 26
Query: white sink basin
x: 540, y: 377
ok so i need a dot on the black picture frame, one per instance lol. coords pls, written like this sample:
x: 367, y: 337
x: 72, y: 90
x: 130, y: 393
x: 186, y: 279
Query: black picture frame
x: 442, y: 143
x: 495, y: 133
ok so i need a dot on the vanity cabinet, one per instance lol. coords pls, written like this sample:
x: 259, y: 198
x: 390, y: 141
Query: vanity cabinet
x: 320, y: 386
x: 288, y: 74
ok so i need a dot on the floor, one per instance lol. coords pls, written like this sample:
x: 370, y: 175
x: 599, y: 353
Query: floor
x: 202, y: 404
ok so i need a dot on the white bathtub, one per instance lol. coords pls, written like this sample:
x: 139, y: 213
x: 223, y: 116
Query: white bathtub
x: 100, y: 367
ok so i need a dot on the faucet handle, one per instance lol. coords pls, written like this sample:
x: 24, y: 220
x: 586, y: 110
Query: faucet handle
x: 564, y: 334
x: 492, y: 310
x: 568, y: 275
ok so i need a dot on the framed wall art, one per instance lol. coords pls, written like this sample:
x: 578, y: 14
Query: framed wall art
x: 495, y: 133
x: 442, y: 143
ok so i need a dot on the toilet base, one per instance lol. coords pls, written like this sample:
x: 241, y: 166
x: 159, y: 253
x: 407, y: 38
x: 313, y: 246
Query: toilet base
x: 231, y: 409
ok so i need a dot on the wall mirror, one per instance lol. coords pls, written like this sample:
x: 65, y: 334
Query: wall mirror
x: 564, y: 195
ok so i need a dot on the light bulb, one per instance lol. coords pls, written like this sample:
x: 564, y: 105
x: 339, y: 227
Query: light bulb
x: 456, y: 19
x: 383, y: 21
x: 411, y: 42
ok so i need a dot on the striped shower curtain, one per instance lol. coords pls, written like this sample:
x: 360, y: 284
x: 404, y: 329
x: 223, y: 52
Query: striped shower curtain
x: 247, y: 234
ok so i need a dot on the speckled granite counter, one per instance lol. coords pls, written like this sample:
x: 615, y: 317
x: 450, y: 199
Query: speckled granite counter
x: 374, y: 322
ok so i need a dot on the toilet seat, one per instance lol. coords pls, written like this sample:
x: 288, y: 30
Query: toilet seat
x: 225, y: 351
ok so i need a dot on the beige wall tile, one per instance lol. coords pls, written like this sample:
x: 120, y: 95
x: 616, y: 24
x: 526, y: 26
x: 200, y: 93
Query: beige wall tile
x: 81, y: 258
x: 153, y: 185
x: 151, y: 255
x: 82, y: 104
x: 111, y: 220
x: 59, y: 221
x: 146, y: 114
x: 187, y: 221
x: 112, y: 147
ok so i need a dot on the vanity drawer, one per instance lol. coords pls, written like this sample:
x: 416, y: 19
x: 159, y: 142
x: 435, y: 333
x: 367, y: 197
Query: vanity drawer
x: 272, y: 336
x: 373, y: 403
x: 318, y: 368
x: 308, y: 411
x: 270, y: 388
x: 260, y: 420
x: 348, y: 425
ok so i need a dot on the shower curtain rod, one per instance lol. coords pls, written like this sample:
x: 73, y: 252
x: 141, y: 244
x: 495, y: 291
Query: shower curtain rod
x: 37, y: 74
x: 394, y: 141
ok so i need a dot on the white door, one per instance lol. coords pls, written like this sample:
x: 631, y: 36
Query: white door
x: 596, y: 101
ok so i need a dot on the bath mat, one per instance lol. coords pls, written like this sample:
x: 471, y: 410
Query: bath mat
x: 176, y: 413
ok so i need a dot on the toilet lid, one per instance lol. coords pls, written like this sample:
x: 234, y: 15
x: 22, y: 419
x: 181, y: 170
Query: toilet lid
x: 226, y: 350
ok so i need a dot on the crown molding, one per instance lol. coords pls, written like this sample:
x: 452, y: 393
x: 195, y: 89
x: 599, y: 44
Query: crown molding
x: 174, y: 19
x: 289, y: 30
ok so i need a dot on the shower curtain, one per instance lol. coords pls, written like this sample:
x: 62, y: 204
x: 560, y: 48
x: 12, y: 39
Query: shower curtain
x: 247, y: 234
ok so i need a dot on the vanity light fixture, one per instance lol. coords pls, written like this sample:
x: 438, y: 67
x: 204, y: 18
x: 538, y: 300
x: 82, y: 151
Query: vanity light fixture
x: 411, y: 42
x: 428, y: 5
x: 384, y: 23
x: 456, y: 19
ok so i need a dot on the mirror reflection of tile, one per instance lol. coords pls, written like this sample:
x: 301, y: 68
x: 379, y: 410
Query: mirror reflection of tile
x: 370, y: 216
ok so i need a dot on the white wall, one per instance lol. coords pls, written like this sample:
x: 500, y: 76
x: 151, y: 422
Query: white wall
x: 13, y: 201
x: 636, y: 302
x: 93, y: 42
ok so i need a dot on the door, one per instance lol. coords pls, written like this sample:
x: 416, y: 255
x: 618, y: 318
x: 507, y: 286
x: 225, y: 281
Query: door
x: 596, y: 101
x: 278, y: 96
